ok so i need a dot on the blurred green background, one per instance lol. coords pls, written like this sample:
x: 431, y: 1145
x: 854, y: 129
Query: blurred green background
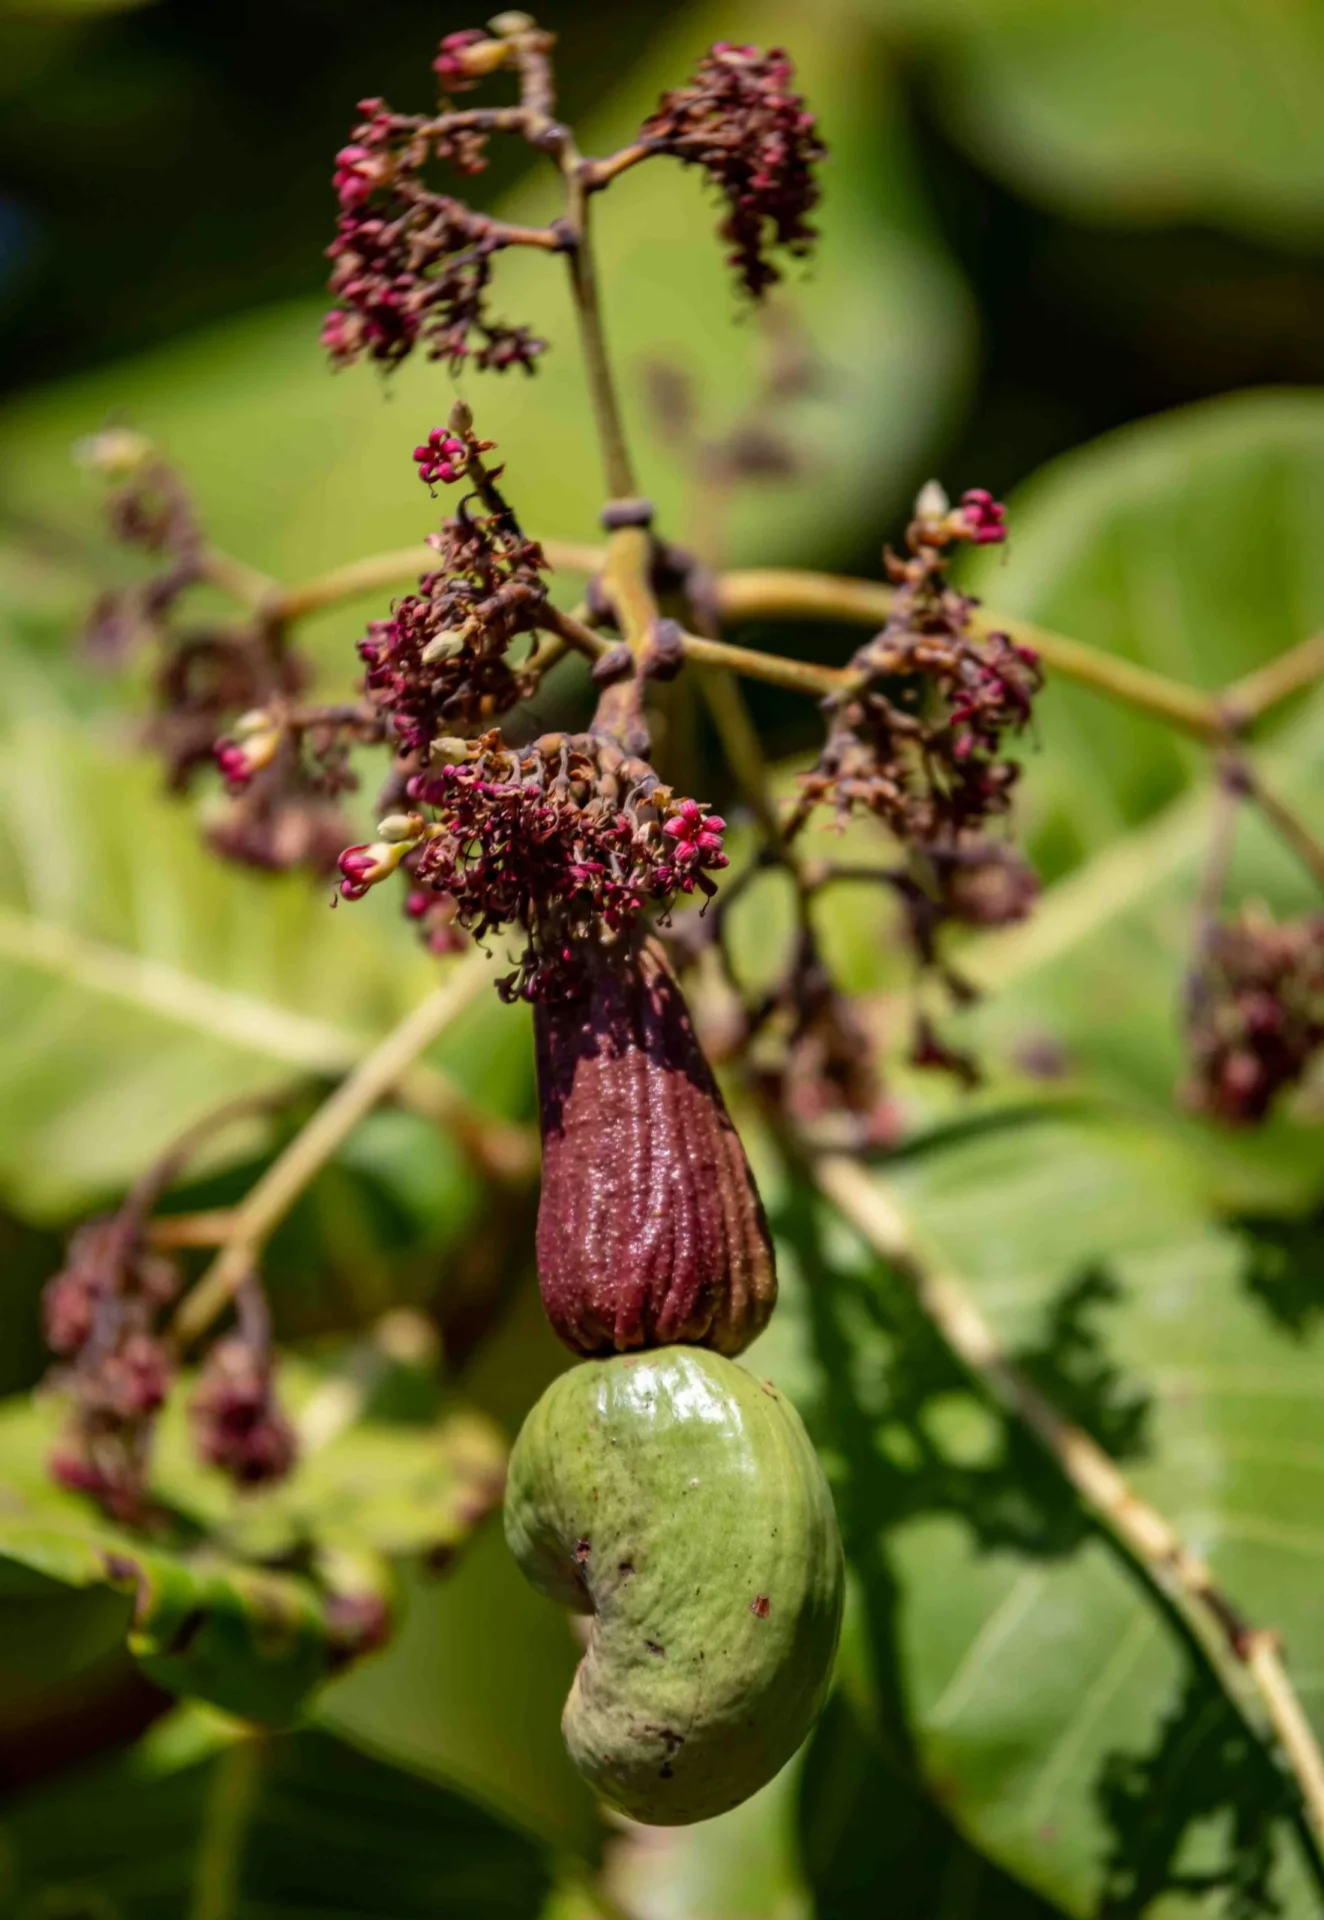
x: 1047, y: 224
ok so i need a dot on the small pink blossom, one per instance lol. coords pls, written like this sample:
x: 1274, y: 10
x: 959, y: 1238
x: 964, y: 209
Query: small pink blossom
x: 984, y: 516
x: 442, y: 458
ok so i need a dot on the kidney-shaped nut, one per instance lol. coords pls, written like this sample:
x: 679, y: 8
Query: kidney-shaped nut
x: 678, y: 1500
x: 650, y: 1227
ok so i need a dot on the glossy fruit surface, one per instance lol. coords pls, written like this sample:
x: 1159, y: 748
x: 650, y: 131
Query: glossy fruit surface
x: 678, y: 1500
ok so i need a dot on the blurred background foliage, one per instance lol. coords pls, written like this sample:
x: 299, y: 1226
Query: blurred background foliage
x: 1045, y: 220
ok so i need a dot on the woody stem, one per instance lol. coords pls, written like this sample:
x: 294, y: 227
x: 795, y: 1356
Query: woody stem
x: 616, y: 462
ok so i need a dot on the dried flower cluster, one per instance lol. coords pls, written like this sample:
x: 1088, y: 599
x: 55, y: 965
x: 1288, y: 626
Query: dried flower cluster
x: 146, y: 508
x: 237, y: 1424
x: 411, y: 265
x: 224, y: 694
x: 1256, y: 1024
x: 821, y: 1064
x: 436, y: 664
x: 919, y: 745
x: 568, y: 839
x: 102, y: 1315
x: 741, y: 121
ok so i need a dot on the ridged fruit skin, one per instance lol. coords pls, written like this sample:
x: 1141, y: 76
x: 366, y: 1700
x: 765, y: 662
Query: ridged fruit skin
x: 678, y: 1499
x: 650, y: 1227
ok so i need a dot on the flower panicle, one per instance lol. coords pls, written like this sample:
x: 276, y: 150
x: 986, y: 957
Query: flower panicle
x: 436, y: 664
x: 411, y: 266
x: 1255, y: 1026
x: 568, y: 840
x: 740, y: 120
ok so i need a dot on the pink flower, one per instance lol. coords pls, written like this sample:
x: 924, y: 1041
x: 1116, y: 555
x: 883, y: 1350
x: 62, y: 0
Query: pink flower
x: 984, y: 516
x: 450, y: 65
x: 443, y: 458
x: 363, y: 867
x: 698, y: 835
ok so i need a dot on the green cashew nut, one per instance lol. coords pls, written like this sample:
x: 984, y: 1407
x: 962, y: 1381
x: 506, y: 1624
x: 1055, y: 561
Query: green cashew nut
x: 678, y: 1500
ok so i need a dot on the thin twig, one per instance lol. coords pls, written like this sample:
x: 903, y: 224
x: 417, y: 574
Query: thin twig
x: 236, y: 577
x: 601, y: 173
x: 211, y: 1227
x: 267, y: 1203
x: 777, y: 669
x: 275, y: 1033
x: 1238, y: 1652
x: 616, y: 462
x: 1290, y: 828
x: 398, y: 567
x: 576, y: 635
x: 744, y: 753
x: 783, y: 593
x: 227, y: 1815
x: 1229, y: 791
x: 1246, y: 699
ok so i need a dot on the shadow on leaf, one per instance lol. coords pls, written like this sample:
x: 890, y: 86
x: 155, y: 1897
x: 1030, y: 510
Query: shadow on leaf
x: 1196, y: 1815
x: 1283, y: 1267
x: 912, y: 1439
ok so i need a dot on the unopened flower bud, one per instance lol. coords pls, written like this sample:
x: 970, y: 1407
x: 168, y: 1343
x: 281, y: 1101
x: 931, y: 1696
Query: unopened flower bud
x: 240, y: 755
x: 468, y: 56
x: 363, y: 867
x: 931, y: 502
x: 116, y: 453
x: 446, y: 646
x: 448, y: 749
x: 401, y: 826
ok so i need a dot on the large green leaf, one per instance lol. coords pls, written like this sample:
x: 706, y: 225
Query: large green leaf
x: 1184, y: 543
x: 146, y: 984
x: 470, y: 1690
x: 1157, y: 1276
x: 1048, y: 1700
x: 201, y: 1821
x: 219, y: 1601
x: 1139, y: 110
x: 1000, y: 1646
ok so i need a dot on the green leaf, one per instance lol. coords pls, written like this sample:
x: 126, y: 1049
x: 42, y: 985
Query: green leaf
x: 1151, y: 1272
x: 471, y: 1688
x: 1183, y: 543
x: 1000, y: 1647
x: 147, y: 984
x: 218, y: 1609
x: 1138, y: 110
x: 198, y: 1821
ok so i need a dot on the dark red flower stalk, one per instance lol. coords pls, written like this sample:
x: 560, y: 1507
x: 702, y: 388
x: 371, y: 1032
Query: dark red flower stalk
x: 650, y: 1227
